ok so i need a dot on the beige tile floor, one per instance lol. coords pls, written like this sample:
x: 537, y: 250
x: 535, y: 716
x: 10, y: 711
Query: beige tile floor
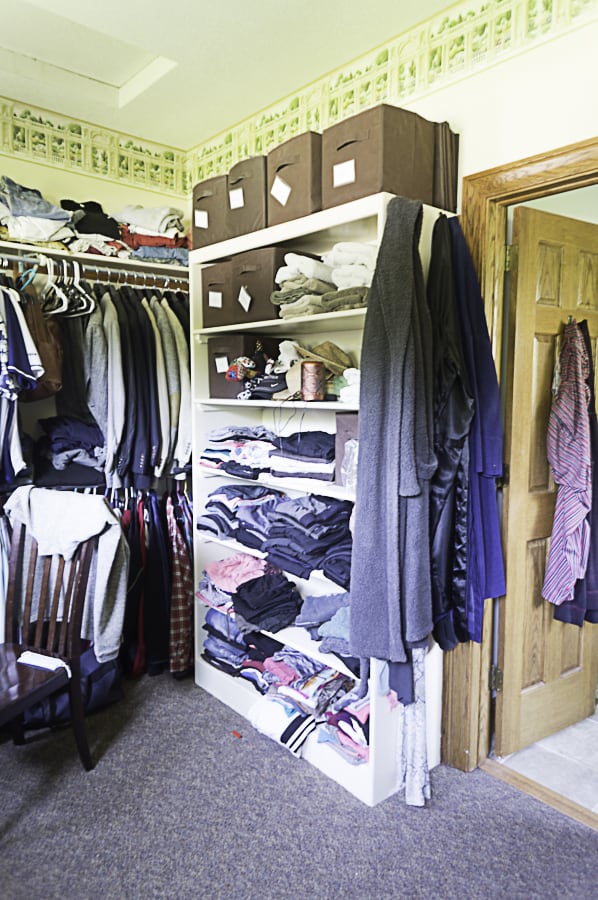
x: 565, y: 762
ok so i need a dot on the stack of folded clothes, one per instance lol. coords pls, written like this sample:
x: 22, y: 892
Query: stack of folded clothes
x: 25, y: 215
x: 347, y: 729
x: 95, y: 232
x: 303, y: 281
x: 239, y: 450
x: 339, y: 281
x: 269, y: 602
x: 306, y: 454
x: 310, y: 532
x: 154, y: 233
x: 352, y: 264
x: 250, y: 451
x: 242, y: 655
x: 297, y: 534
x: 221, y: 578
x: 296, y: 703
x: 226, y: 504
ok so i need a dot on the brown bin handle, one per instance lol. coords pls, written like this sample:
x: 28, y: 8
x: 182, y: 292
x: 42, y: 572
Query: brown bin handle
x: 364, y: 136
x: 289, y: 162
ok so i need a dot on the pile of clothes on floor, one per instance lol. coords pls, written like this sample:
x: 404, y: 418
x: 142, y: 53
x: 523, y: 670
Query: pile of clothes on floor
x: 154, y: 234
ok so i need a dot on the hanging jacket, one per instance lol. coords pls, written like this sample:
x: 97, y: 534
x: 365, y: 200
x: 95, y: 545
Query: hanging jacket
x: 390, y: 566
x: 453, y: 412
x: 485, y: 569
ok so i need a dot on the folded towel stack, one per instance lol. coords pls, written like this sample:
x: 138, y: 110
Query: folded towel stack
x: 352, y: 264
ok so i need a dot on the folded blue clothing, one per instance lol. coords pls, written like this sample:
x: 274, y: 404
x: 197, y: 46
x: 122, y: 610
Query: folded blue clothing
x: 306, y: 445
x: 318, y: 608
x: 224, y: 625
x: 224, y: 651
x: 24, y: 201
x: 337, y: 626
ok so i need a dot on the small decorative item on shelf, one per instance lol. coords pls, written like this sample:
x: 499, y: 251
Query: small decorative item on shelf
x: 312, y: 380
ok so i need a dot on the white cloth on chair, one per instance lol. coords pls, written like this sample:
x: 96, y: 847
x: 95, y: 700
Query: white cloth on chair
x: 59, y: 521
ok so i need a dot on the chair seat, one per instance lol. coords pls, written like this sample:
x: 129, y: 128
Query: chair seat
x: 23, y: 685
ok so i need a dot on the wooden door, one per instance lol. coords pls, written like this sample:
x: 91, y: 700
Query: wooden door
x: 549, y: 668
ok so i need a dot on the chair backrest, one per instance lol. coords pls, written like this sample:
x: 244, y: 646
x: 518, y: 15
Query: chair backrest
x: 45, y: 596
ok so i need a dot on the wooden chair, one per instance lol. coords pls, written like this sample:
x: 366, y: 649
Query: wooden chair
x: 45, y: 625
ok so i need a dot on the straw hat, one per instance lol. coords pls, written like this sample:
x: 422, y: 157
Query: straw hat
x: 335, y: 359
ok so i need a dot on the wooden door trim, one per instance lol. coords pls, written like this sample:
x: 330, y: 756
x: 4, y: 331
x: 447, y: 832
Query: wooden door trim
x: 485, y: 198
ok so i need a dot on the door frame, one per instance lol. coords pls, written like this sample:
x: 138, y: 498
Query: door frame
x: 486, y: 196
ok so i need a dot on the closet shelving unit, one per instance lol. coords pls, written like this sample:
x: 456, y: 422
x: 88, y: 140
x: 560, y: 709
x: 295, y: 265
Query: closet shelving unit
x: 360, y: 220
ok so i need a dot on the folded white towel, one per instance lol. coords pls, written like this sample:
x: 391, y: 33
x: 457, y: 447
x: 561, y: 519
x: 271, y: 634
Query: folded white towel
x: 351, y: 252
x: 305, y: 265
x: 352, y: 276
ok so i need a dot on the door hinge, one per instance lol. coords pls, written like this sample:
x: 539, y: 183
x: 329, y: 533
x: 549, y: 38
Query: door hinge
x: 495, y: 678
x: 510, y: 257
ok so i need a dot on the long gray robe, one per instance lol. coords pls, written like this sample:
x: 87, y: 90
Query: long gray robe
x: 390, y: 567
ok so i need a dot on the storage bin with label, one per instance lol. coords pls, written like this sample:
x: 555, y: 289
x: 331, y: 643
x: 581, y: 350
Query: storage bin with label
x: 247, y: 205
x: 253, y: 274
x: 208, y: 223
x: 385, y: 148
x: 295, y: 178
x: 217, y: 294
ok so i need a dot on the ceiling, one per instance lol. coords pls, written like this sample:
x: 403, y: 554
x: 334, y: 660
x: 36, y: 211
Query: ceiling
x: 180, y: 73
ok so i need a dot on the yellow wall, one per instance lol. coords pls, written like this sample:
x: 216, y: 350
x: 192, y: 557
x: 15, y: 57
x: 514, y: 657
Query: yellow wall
x: 60, y: 184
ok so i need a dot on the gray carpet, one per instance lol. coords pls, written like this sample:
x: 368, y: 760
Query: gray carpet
x: 179, y: 807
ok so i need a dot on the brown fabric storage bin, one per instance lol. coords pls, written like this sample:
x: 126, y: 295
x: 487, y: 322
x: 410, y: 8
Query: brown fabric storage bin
x: 208, y: 218
x: 246, y: 202
x: 222, y: 350
x: 253, y: 282
x: 346, y: 430
x: 217, y: 294
x: 446, y: 165
x: 295, y: 178
x: 381, y: 149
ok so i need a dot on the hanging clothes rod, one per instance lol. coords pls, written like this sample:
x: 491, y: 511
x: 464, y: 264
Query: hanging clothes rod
x: 139, y: 270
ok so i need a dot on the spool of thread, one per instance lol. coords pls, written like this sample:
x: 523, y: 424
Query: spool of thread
x: 312, y: 380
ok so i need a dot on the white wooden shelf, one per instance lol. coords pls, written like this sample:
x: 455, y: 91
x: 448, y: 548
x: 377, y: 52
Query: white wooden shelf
x: 328, y: 406
x: 362, y: 220
x: 342, y: 320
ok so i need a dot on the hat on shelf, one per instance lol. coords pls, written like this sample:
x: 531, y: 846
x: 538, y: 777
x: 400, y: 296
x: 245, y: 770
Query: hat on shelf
x: 293, y: 384
x: 335, y: 359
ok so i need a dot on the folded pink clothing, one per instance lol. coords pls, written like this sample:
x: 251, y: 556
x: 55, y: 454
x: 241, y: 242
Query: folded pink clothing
x: 284, y: 673
x: 345, y: 740
x: 227, y: 574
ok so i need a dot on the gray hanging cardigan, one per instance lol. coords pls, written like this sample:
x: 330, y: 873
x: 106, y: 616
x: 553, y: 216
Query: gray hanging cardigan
x: 390, y: 567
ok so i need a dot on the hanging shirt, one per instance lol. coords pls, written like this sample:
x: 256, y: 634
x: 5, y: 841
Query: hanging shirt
x: 569, y: 453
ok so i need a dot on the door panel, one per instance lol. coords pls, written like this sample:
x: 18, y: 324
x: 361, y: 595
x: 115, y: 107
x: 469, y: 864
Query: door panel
x: 549, y: 668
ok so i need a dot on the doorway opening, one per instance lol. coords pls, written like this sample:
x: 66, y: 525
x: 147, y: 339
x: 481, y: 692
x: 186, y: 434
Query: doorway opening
x: 487, y: 198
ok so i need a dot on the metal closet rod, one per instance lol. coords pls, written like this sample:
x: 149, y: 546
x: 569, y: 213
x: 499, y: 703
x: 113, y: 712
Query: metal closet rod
x: 39, y: 259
